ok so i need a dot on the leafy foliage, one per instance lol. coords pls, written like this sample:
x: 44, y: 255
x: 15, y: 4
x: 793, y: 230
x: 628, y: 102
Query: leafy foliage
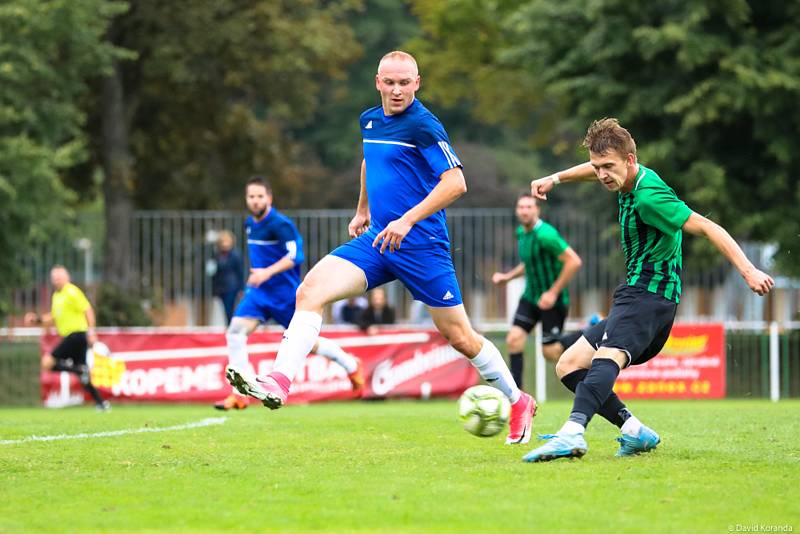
x: 48, y: 51
x: 217, y: 88
x: 709, y: 90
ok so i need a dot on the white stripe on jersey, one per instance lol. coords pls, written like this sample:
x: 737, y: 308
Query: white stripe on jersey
x: 381, y: 142
x: 452, y: 159
x: 291, y: 246
x: 261, y: 242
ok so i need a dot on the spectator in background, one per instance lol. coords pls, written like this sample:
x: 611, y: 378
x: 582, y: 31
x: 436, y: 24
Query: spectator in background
x: 348, y: 311
x: 377, y: 312
x: 227, y: 273
x: 74, y: 320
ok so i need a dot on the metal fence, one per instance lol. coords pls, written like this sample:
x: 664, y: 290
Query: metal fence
x: 170, y: 250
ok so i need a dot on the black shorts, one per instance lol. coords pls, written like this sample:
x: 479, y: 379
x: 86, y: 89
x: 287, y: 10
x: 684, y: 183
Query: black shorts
x: 639, y: 324
x: 528, y: 314
x: 72, y: 349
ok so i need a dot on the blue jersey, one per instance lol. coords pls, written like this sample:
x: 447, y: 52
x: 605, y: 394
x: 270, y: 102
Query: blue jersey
x: 269, y: 240
x: 405, y: 154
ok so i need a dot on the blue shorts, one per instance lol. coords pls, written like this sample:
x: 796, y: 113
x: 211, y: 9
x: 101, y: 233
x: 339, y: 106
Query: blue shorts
x: 428, y: 273
x: 258, y: 305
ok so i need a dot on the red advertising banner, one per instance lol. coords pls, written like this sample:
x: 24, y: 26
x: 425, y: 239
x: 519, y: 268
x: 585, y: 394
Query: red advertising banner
x: 690, y: 366
x: 189, y: 367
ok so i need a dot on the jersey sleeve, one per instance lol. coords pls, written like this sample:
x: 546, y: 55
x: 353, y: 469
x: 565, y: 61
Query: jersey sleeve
x: 659, y: 206
x: 435, y: 147
x: 552, y: 241
x: 290, y: 238
x: 78, y: 300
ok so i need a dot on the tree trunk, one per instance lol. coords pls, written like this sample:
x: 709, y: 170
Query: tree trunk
x: 117, y: 185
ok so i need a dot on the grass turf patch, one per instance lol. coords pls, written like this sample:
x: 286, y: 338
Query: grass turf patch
x: 394, y: 466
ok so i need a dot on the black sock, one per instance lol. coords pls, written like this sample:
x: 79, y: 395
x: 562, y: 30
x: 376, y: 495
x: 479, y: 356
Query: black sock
x: 86, y: 381
x: 593, y: 391
x: 613, y: 410
x: 569, y: 339
x: 515, y: 359
x: 93, y: 392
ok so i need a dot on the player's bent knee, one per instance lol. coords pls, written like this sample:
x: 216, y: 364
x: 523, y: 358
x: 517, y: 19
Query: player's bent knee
x: 564, y: 367
x: 515, y: 342
x: 48, y: 362
x: 552, y: 351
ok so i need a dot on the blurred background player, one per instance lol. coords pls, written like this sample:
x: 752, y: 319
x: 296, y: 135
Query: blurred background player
x: 227, y: 273
x: 73, y: 317
x: 548, y: 264
x: 409, y: 174
x: 652, y: 220
x: 276, y: 252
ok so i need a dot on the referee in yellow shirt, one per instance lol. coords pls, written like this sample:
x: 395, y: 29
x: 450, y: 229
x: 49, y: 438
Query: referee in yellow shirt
x: 73, y: 317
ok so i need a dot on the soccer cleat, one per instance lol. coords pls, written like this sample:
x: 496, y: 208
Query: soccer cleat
x: 232, y: 402
x: 520, y: 424
x: 264, y: 389
x: 357, y: 377
x: 104, y: 406
x: 558, y: 446
x: 646, y: 441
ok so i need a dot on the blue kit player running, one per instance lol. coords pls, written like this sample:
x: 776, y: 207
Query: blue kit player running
x: 652, y: 220
x: 276, y: 252
x: 409, y: 174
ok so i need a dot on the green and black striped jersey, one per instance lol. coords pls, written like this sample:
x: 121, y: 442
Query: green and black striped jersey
x: 651, y: 217
x: 539, y: 249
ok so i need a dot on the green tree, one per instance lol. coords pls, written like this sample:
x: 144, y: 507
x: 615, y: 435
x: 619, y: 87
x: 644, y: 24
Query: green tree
x: 211, y: 97
x: 708, y: 89
x: 49, y: 51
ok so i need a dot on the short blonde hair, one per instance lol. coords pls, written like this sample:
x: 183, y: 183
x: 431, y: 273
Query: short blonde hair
x: 607, y: 134
x: 399, y: 54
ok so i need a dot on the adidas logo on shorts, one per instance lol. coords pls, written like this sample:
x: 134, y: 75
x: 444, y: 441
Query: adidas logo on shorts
x: 447, y: 296
x: 368, y: 126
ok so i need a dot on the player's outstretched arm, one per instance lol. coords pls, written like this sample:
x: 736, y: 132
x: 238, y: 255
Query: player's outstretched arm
x: 758, y: 281
x: 570, y: 265
x: 501, y: 278
x: 91, y: 336
x: 579, y: 173
x: 33, y: 318
x: 360, y: 221
x: 451, y: 186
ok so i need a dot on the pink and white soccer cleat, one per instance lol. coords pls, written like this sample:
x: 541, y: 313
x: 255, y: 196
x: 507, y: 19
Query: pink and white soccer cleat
x: 521, y: 423
x: 265, y: 389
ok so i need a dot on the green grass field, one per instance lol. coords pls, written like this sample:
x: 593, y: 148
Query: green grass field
x: 393, y: 467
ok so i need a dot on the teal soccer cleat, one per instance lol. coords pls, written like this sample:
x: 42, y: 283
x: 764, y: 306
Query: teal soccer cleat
x: 646, y: 441
x: 558, y: 446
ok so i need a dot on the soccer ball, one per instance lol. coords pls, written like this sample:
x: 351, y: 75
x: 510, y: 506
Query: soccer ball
x: 484, y: 411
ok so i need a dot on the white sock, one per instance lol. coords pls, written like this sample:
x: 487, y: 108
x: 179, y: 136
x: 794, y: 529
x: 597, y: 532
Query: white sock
x: 332, y: 351
x: 237, y: 350
x: 631, y: 426
x: 492, y: 368
x: 237, y: 354
x: 571, y: 427
x: 298, y: 340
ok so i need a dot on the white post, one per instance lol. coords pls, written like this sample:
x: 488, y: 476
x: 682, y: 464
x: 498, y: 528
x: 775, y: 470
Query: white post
x: 774, y: 363
x: 541, y: 368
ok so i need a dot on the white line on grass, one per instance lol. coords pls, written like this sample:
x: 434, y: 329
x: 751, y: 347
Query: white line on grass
x: 205, y: 422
